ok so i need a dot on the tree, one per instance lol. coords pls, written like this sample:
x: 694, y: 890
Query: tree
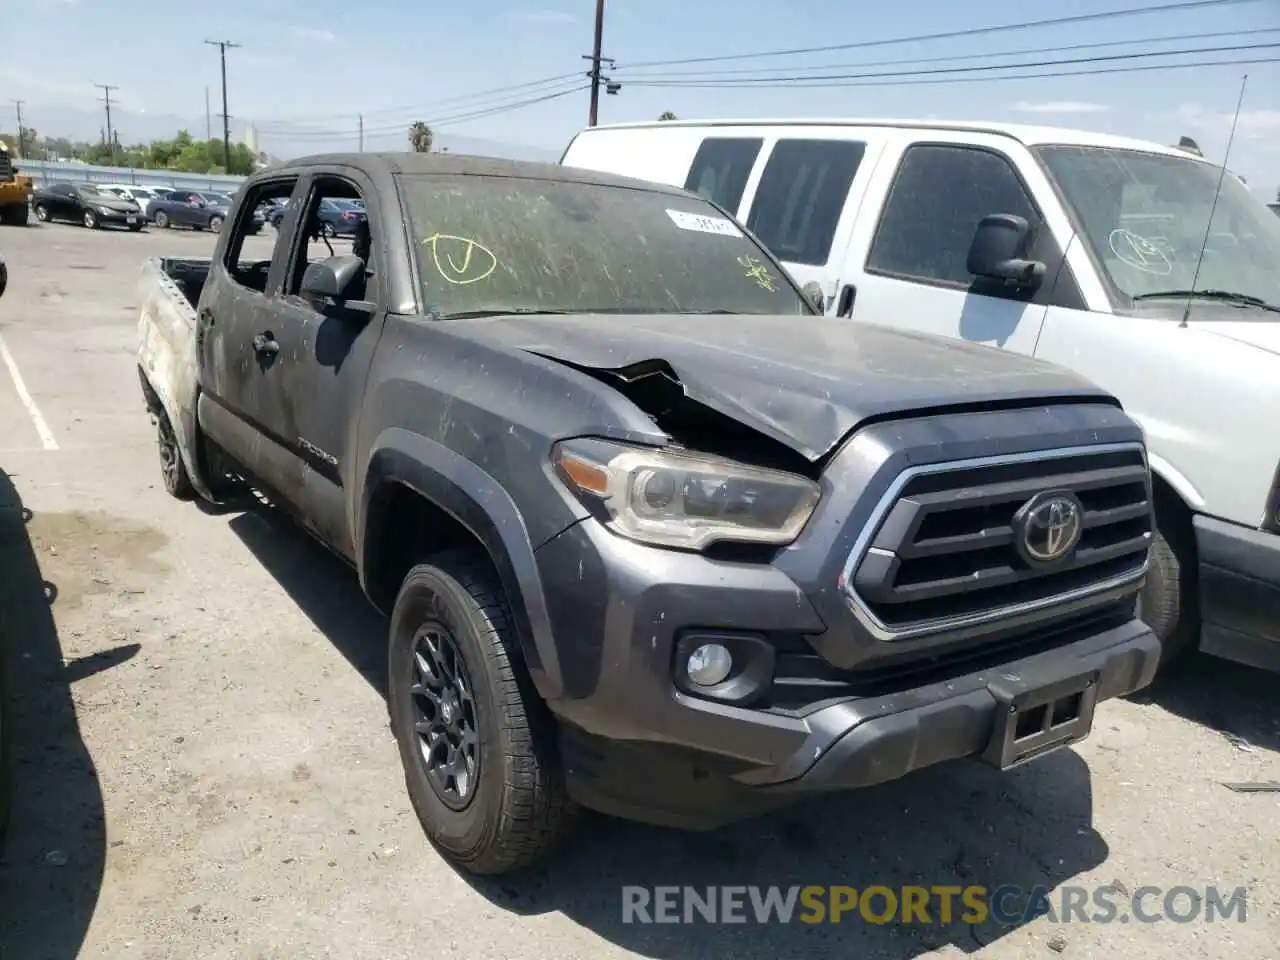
x: 420, y: 137
x: 668, y: 115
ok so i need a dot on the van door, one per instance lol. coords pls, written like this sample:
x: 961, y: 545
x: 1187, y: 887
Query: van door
x: 907, y: 262
x: 805, y: 204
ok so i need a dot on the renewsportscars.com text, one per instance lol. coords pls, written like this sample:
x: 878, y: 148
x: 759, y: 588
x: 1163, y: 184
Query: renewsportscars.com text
x: 1007, y: 905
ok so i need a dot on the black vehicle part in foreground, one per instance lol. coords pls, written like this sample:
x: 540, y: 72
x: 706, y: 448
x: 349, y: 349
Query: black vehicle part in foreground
x: 653, y: 537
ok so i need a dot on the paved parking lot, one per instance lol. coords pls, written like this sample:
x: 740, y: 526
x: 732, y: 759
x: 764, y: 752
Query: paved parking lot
x: 206, y: 770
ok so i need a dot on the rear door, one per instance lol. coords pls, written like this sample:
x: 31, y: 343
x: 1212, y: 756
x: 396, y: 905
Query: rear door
x: 805, y: 201
x: 236, y: 309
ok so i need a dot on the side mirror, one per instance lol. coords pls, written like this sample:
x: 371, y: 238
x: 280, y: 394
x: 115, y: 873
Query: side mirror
x: 999, y: 251
x: 336, y: 279
x: 812, y: 291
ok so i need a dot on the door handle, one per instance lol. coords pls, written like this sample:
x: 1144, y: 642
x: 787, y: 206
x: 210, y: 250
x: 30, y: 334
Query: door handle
x: 844, y: 307
x: 265, y: 345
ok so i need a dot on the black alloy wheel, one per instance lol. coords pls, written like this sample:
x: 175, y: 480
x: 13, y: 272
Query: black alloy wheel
x: 444, y: 716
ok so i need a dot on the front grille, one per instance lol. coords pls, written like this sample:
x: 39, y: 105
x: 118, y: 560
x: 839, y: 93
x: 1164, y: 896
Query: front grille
x: 944, y: 549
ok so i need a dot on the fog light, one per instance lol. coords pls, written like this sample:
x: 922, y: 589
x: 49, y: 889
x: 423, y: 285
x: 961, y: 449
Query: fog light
x: 709, y: 664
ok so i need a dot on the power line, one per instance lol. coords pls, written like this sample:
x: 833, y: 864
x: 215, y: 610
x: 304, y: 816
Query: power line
x: 435, y: 122
x: 557, y: 80
x: 957, y: 57
x: 816, y: 79
x: 1182, y: 5
x: 979, y: 78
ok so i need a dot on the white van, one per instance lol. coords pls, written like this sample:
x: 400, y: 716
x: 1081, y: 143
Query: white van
x: 1074, y: 247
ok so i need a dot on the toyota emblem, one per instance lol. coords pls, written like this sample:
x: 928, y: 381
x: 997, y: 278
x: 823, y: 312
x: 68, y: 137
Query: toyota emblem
x: 1048, y: 526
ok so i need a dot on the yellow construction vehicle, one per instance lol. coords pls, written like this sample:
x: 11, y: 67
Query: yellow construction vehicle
x: 15, y: 191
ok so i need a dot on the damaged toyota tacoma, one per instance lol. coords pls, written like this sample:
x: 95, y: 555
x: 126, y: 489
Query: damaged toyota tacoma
x: 654, y: 536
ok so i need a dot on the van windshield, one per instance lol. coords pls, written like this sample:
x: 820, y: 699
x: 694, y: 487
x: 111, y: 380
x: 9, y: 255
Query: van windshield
x: 494, y: 245
x: 1144, y: 217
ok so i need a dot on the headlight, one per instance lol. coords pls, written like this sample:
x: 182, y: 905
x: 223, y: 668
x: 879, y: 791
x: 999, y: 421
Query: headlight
x: 106, y: 210
x: 686, y: 500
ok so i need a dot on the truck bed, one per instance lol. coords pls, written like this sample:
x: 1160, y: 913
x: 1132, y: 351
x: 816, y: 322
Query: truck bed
x: 168, y: 291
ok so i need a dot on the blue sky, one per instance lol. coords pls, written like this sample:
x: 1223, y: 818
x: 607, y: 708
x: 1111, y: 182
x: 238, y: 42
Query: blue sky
x: 308, y: 67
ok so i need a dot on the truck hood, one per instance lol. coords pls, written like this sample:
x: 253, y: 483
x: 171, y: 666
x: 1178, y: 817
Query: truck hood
x: 804, y: 381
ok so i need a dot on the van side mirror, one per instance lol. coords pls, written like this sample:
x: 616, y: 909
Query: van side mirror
x: 812, y: 292
x: 999, y: 251
x: 337, y: 279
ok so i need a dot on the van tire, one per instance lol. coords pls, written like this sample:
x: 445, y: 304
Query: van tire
x: 517, y: 806
x: 1169, y: 599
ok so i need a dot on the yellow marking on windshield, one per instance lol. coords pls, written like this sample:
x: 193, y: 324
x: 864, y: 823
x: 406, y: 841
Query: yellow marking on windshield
x: 757, y: 271
x: 477, y: 260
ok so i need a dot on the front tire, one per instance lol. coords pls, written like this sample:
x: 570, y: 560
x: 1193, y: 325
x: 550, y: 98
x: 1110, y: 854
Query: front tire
x: 161, y: 220
x: 215, y: 224
x: 1168, y: 603
x: 90, y: 220
x: 457, y: 691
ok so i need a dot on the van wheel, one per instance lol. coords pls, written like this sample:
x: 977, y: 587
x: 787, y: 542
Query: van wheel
x: 174, y: 472
x: 1169, y: 601
x: 478, y: 747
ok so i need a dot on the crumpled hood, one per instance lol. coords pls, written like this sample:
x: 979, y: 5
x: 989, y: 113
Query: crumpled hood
x: 804, y: 381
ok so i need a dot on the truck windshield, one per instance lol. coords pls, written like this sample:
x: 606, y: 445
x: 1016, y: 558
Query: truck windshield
x: 490, y: 245
x: 1144, y: 217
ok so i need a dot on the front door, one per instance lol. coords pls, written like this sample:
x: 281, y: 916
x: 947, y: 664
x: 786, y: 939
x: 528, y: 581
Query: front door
x: 325, y: 353
x: 908, y: 258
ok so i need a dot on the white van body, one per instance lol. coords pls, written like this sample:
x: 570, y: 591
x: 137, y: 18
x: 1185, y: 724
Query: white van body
x: 881, y: 214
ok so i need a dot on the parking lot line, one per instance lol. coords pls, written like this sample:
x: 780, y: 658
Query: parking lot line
x: 46, y: 435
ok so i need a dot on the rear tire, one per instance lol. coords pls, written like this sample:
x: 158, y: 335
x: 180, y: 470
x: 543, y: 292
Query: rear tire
x: 172, y: 468
x: 1169, y: 601
x: 509, y: 807
x: 215, y: 224
x: 161, y: 220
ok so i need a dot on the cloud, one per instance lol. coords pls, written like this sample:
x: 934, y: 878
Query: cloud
x: 544, y: 16
x: 313, y: 33
x: 1061, y: 106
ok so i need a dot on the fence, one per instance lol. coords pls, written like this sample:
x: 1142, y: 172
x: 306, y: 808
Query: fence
x: 49, y: 171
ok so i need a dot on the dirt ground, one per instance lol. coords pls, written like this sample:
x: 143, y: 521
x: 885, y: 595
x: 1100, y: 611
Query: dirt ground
x: 205, y: 769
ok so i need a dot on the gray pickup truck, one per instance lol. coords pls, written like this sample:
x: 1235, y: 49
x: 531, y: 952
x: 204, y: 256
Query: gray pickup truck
x: 654, y: 536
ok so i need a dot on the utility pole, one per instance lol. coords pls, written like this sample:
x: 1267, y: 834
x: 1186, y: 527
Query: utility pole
x: 106, y: 89
x: 222, y: 46
x: 208, y: 117
x: 595, y: 64
x: 22, y: 136
x: 362, y: 133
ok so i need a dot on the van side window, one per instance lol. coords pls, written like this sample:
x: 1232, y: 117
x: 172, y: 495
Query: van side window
x: 801, y: 196
x: 939, y: 195
x: 721, y: 168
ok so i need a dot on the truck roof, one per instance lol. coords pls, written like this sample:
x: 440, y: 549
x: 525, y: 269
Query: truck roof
x: 1028, y: 134
x: 464, y: 165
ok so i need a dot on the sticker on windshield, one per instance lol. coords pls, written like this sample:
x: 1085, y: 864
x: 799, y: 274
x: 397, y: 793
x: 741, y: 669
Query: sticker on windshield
x: 703, y: 224
x: 754, y: 269
x: 460, y: 260
x: 1139, y: 253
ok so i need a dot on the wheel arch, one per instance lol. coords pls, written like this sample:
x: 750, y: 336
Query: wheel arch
x: 451, y: 496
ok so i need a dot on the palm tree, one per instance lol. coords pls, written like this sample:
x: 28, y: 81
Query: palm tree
x: 420, y: 137
x: 668, y: 115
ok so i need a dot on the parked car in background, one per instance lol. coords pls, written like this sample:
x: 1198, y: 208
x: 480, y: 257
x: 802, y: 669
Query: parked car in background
x: 85, y: 203
x: 194, y: 209
x: 1087, y: 250
x: 142, y: 196
x: 341, y: 218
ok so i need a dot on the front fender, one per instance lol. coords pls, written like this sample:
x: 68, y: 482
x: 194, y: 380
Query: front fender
x: 477, y: 501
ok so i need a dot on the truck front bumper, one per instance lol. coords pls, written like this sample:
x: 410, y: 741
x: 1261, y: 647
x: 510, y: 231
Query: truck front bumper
x: 1239, y: 592
x: 636, y: 746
